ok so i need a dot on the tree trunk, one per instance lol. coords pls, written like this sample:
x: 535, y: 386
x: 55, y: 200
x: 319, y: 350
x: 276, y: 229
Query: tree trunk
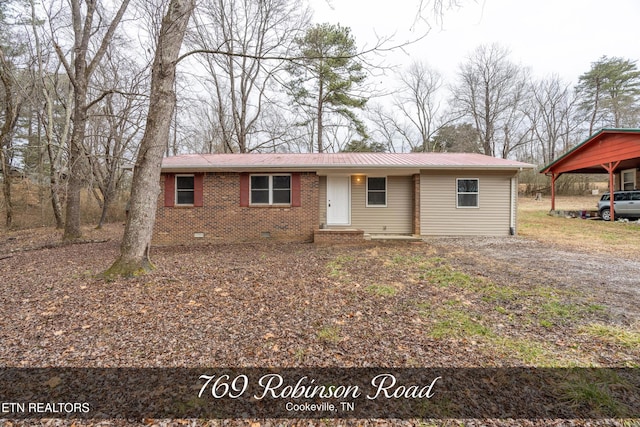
x: 596, y: 101
x: 107, y: 197
x: 106, y: 203
x: 79, y: 72
x: 319, y: 115
x: 134, y: 250
x: 6, y: 186
x: 12, y: 104
x: 72, y: 230
x: 54, y: 173
x: 55, y: 201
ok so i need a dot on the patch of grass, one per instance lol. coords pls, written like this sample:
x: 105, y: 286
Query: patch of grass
x: 547, y: 292
x: 457, y: 324
x: 329, y: 334
x: 336, y: 265
x: 299, y: 355
x: 595, y: 395
x: 614, y: 334
x: 495, y: 293
x: 528, y: 351
x: 445, y: 276
x: 408, y: 259
x: 593, y: 236
x: 423, y: 307
x: 555, y: 312
x: 381, y: 290
x: 500, y: 309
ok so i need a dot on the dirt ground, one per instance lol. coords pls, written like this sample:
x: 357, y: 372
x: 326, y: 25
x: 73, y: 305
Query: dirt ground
x: 614, y: 281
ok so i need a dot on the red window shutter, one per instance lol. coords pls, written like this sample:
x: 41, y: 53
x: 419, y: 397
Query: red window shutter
x: 198, y: 180
x: 296, y: 197
x: 169, y: 190
x: 244, y: 189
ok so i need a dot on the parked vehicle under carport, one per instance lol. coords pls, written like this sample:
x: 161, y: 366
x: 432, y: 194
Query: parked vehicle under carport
x: 626, y: 204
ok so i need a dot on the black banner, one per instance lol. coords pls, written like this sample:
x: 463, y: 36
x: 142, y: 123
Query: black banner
x: 210, y: 393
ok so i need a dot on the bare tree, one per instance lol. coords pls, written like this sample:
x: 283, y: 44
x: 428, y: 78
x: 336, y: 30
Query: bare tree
x: 13, y: 93
x: 416, y: 115
x: 114, y: 125
x: 419, y: 103
x: 52, y: 101
x: 55, y: 118
x: 384, y: 129
x: 489, y: 93
x: 87, y: 20
x: 12, y: 101
x: 247, y: 32
x: 550, y: 110
x: 134, y: 250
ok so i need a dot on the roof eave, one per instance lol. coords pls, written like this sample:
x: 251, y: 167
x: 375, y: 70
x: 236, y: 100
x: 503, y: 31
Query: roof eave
x: 315, y: 168
x: 547, y: 169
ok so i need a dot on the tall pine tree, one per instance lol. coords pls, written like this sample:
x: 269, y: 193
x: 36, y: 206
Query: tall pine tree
x: 325, y: 78
x: 610, y: 93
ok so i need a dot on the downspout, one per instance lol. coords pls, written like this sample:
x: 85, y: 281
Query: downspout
x: 514, y: 205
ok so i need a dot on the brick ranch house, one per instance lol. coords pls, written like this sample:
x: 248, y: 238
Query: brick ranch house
x: 320, y: 197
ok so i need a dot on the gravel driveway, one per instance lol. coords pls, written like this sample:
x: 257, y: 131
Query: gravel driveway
x: 611, y: 281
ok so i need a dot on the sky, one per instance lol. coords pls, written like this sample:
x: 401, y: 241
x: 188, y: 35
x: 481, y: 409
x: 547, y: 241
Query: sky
x: 549, y: 36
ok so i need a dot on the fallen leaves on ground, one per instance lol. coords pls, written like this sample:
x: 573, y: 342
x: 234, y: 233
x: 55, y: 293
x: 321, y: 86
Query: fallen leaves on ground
x: 446, y: 302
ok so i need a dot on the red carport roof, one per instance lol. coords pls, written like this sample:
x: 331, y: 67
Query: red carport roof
x: 317, y: 161
x: 605, y: 146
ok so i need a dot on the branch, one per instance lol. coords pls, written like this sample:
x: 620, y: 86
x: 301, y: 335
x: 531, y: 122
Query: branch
x: 110, y: 92
x: 107, y: 38
x: 65, y: 64
x: 376, y: 49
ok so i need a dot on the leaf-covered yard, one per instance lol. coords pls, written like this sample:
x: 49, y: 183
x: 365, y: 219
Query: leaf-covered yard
x: 448, y: 302
x: 480, y: 302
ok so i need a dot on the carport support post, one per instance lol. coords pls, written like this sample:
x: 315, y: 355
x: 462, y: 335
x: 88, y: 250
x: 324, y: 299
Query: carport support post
x: 554, y: 177
x: 611, y: 167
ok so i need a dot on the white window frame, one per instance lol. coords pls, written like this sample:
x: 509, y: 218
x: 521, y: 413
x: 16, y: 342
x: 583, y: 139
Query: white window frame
x: 193, y: 191
x: 271, y: 203
x: 623, y: 182
x: 477, y: 193
x: 386, y: 190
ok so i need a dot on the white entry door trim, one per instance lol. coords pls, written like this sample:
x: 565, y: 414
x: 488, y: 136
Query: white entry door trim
x: 338, y: 200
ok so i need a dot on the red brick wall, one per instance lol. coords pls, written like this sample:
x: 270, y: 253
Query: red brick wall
x: 416, y: 204
x: 222, y: 219
x: 332, y: 237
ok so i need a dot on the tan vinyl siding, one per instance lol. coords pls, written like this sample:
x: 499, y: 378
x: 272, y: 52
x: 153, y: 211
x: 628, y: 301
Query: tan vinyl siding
x: 322, y: 200
x: 395, y: 218
x: 440, y: 216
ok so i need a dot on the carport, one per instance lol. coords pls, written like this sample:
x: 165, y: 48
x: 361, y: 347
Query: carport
x: 612, y: 151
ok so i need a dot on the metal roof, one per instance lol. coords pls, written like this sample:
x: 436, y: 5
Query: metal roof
x: 325, y: 161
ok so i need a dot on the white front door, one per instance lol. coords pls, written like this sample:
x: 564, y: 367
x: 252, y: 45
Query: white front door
x: 338, y: 200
